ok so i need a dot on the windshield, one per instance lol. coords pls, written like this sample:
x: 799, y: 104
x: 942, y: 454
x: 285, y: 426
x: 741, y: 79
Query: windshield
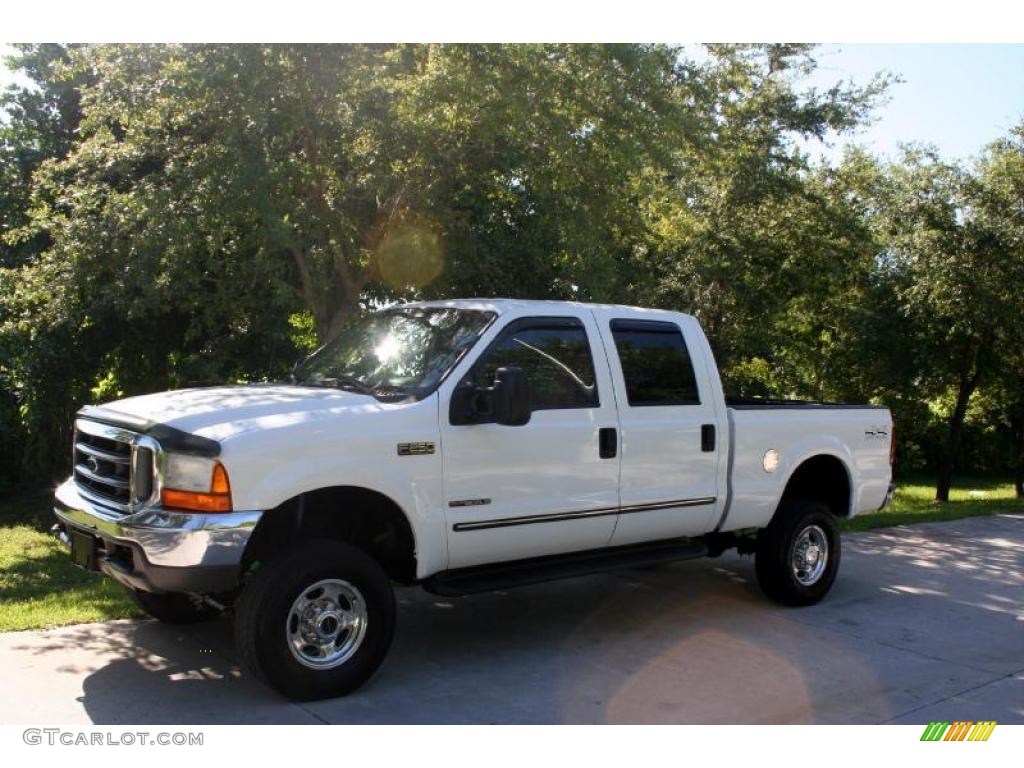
x: 404, y: 351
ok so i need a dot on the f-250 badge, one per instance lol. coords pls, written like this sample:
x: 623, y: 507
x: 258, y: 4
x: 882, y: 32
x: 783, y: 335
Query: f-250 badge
x: 415, y: 449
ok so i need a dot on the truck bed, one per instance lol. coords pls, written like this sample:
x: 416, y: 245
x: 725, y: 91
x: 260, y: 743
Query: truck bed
x: 858, y: 435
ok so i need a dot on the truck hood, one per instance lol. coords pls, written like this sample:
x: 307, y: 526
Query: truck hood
x: 222, y: 412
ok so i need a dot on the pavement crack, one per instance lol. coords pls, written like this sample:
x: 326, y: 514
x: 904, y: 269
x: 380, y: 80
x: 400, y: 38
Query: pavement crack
x: 973, y: 688
x: 311, y: 713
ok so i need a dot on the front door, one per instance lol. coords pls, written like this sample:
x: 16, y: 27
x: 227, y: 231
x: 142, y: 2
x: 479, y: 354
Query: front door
x: 550, y: 486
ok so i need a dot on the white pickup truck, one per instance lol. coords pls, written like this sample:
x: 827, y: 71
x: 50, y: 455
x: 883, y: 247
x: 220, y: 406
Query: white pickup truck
x: 465, y: 446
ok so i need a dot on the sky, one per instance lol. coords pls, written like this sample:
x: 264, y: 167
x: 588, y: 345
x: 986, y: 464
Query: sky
x: 958, y: 97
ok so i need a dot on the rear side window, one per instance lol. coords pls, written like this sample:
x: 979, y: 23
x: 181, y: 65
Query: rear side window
x: 655, y: 363
x: 556, y: 358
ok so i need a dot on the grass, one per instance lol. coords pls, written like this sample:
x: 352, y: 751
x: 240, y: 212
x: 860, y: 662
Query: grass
x: 39, y: 587
x: 914, y: 503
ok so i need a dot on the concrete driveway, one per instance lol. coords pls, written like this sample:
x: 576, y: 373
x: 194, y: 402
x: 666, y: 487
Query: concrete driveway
x: 924, y: 623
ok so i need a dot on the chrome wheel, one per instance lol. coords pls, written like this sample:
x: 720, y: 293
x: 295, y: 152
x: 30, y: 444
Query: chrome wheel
x: 326, y: 624
x: 810, y: 555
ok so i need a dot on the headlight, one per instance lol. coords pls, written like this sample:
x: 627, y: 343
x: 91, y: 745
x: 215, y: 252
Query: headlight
x: 195, y: 484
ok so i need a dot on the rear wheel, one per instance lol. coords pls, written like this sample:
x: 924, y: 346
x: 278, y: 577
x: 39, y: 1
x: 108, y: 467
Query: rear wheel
x: 798, y: 554
x: 172, y: 607
x: 316, y: 621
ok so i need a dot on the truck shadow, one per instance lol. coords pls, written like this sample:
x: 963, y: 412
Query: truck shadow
x: 693, y: 642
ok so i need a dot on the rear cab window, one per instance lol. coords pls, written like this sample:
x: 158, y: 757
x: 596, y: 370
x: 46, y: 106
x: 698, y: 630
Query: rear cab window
x: 655, y: 362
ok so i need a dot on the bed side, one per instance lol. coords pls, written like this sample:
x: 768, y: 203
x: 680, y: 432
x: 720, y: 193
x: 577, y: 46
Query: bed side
x: 771, y: 443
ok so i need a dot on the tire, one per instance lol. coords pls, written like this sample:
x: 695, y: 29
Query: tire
x: 172, y: 607
x: 781, y: 574
x: 342, y: 592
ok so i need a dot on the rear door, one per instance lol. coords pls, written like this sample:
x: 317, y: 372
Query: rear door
x: 547, y: 487
x: 670, y: 441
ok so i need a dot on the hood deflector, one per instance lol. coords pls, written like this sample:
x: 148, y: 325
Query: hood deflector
x: 170, y: 438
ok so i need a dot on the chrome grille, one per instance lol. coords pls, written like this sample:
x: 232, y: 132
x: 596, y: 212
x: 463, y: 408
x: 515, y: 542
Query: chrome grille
x: 111, y: 468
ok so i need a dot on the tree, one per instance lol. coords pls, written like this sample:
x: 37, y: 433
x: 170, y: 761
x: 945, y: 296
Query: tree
x: 183, y: 214
x: 958, y: 281
x: 38, y: 123
x: 1001, y: 209
x: 321, y: 161
x: 214, y: 193
x: 740, y: 234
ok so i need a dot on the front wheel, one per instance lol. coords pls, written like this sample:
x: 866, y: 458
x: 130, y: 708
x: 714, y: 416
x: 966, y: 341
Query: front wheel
x: 316, y: 621
x: 797, y: 555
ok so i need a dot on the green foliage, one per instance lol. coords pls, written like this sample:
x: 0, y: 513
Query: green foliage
x: 39, y: 585
x: 742, y: 233
x: 214, y: 193
x: 914, y: 502
x: 38, y: 124
x: 174, y: 215
x: 956, y: 267
x: 303, y: 332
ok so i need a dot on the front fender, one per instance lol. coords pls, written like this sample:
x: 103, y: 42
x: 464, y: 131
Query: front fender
x: 272, y: 466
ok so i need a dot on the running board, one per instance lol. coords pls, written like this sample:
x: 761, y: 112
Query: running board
x: 517, y: 573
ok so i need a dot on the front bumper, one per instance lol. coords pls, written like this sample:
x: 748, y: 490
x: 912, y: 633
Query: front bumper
x: 159, y: 550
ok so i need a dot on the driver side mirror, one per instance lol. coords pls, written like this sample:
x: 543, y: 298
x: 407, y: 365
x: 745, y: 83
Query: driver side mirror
x: 511, y: 397
x: 507, y: 402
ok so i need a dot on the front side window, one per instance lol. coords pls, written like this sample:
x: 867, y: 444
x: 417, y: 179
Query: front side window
x: 555, y: 357
x: 404, y: 351
x: 655, y: 363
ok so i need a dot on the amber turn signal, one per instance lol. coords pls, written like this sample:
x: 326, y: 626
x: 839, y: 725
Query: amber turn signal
x: 217, y: 500
x: 197, y: 502
x: 220, y: 483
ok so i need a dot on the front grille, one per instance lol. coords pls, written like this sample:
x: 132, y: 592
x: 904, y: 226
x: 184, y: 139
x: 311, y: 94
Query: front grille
x: 110, y: 469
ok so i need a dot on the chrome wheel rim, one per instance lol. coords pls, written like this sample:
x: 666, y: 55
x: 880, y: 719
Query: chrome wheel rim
x: 810, y: 555
x: 326, y: 624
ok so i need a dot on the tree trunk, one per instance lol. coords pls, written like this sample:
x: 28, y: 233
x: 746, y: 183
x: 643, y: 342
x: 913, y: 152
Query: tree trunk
x: 1017, y: 427
x: 347, y: 289
x: 968, y: 383
x: 332, y: 304
x: 336, y: 322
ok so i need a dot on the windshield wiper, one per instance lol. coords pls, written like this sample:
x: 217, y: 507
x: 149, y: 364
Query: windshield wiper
x: 342, y: 381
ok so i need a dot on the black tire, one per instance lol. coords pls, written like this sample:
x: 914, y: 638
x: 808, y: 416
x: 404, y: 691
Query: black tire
x: 773, y: 560
x: 172, y: 607
x: 263, y: 610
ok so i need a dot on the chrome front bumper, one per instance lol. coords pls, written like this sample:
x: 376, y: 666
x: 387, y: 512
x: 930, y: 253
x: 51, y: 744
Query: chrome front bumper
x: 160, y: 550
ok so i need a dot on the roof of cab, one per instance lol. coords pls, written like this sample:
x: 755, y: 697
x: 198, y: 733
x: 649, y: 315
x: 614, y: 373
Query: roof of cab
x: 501, y: 306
